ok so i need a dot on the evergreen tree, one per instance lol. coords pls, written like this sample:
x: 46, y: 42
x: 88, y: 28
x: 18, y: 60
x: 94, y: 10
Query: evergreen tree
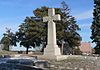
x: 66, y: 28
x: 69, y: 30
x: 8, y: 39
x: 96, y: 26
x: 29, y: 34
x: 6, y: 42
x: 34, y: 32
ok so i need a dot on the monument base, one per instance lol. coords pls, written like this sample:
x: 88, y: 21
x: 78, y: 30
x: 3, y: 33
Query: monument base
x: 52, y: 50
x: 52, y: 57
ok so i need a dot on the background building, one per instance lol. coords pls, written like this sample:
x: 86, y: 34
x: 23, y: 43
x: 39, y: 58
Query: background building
x: 86, y: 48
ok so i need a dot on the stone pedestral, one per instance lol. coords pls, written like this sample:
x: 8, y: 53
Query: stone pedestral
x: 52, y: 57
x: 52, y: 50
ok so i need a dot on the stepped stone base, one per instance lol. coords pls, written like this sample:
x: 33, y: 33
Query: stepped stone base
x: 52, y: 50
x: 52, y: 57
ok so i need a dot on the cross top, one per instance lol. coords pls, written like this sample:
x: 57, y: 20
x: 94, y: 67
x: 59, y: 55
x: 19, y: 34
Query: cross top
x: 51, y: 12
x: 51, y: 16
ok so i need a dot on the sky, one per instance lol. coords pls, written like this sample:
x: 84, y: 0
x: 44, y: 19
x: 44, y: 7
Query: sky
x: 13, y: 12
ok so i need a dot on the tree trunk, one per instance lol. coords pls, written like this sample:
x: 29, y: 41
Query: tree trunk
x: 62, y: 45
x: 27, y: 50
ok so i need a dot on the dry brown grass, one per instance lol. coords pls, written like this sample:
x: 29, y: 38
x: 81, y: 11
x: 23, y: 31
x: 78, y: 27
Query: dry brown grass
x: 3, y: 52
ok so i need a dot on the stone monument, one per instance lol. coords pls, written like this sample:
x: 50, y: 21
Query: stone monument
x: 52, y: 47
x: 1, y: 47
x: 52, y: 51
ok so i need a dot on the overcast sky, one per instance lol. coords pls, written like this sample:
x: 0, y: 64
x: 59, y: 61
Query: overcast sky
x: 13, y: 12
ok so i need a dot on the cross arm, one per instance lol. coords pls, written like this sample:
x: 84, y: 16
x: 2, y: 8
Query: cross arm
x: 56, y: 17
x: 45, y: 19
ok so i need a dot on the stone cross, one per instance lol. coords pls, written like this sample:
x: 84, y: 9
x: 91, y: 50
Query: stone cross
x: 51, y: 47
x: 51, y: 25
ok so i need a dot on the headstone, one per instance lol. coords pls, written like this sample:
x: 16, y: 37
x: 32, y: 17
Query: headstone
x: 42, y: 64
x: 1, y: 47
x: 1, y: 56
x: 34, y: 57
x: 20, y: 52
x: 52, y: 47
x: 7, y: 56
x: 26, y: 62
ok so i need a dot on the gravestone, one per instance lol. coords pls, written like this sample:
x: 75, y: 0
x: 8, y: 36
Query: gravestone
x: 1, y: 47
x: 26, y: 62
x: 7, y: 56
x: 42, y: 64
x: 52, y: 47
x: 52, y: 51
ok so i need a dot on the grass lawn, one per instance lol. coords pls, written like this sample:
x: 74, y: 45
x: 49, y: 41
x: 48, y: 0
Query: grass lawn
x: 3, y: 52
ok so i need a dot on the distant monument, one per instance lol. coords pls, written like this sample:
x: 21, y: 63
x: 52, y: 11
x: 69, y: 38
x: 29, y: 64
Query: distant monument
x: 52, y: 47
x: 1, y: 47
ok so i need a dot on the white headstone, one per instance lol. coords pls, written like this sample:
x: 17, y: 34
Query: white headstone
x: 1, y: 47
x: 52, y: 47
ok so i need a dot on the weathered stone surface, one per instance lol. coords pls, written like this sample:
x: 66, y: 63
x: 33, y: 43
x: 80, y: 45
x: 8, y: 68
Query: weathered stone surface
x: 42, y: 64
x: 52, y: 47
x: 7, y: 56
x: 52, y: 57
x: 1, y: 47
